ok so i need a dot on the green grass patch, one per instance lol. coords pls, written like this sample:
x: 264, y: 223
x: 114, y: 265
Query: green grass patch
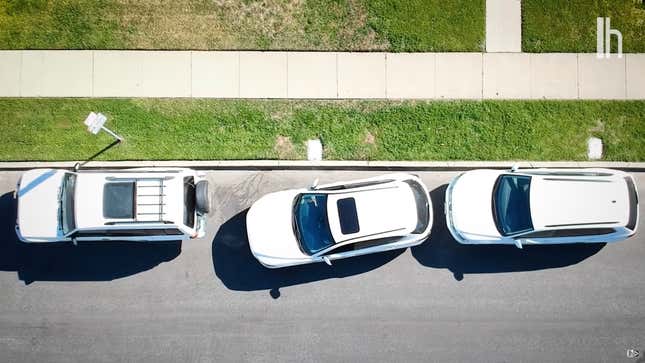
x: 430, y: 25
x: 570, y: 26
x: 61, y: 24
x: 52, y: 129
x: 360, y: 25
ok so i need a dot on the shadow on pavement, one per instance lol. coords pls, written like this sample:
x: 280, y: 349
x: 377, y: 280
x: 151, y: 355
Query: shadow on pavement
x: 96, y: 261
x: 442, y: 251
x: 236, y: 267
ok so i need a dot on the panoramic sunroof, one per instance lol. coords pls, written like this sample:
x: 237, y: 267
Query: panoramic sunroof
x: 347, y: 215
x: 118, y: 200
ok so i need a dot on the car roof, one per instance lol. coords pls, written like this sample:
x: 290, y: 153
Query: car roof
x: 122, y: 196
x: 579, y: 201
x: 378, y: 211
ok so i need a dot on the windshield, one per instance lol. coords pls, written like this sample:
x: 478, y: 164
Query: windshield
x: 67, y: 203
x: 511, y: 204
x: 310, y: 223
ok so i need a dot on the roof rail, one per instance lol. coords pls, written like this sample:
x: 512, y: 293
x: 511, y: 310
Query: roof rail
x: 149, y: 197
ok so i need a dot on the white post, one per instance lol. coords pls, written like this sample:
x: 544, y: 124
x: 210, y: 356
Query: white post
x: 112, y: 133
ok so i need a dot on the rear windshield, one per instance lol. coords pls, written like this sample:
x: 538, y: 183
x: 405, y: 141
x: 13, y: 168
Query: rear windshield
x: 511, y: 204
x: 423, y: 206
x: 68, y: 189
x: 633, y: 204
x: 189, y: 201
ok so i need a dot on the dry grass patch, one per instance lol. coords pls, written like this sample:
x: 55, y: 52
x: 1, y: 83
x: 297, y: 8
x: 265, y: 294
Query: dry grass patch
x: 370, y: 139
x: 338, y: 25
x: 284, y: 148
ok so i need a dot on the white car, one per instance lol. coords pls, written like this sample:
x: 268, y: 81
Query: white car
x: 541, y: 206
x: 339, y: 220
x: 144, y: 204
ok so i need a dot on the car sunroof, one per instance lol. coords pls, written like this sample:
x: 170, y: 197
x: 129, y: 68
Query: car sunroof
x: 347, y: 215
x: 118, y: 200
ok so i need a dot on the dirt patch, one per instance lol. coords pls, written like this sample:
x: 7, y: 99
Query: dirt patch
x: 368, y: 146
x: 284, y: 148
x: 359, y: 33
x: 369, y: 139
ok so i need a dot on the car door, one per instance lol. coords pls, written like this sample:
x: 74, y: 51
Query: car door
x: 90, y: 235
x: 337, y: 252
x: 362, y: 248
x: 148, y: 234
x: 572, y: 235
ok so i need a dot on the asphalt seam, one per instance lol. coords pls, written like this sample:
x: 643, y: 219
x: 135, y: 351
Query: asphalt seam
x: 337, y: 86
x: 578, y: 75
x: 92, y: 78
x: 625, y: 70
x: 22, y: 55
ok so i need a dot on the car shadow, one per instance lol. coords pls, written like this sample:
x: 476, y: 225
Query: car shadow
x: 238, y: 270
x: 96, y: 261
x: 442, y: 251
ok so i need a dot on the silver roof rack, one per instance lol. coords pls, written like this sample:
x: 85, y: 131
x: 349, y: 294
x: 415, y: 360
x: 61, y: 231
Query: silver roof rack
x: 150, y: 197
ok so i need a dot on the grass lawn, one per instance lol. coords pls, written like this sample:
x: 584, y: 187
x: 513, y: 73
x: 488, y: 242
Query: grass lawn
x: 570, y: 26
x: 52, y: 129
x: 364, y: 25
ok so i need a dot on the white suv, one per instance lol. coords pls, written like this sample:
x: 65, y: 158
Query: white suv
x: 541, y: 206
x: 145, y: 204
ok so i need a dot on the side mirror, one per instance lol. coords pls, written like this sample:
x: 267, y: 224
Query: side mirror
x: 327, y: 260
x: 74, y: 241
x: 515, y: 167
x: 518, y: 243
x: 314, y: 185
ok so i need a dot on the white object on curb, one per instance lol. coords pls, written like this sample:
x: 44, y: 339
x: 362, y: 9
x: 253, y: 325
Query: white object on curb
x: 594, y: 148
x: 314, y: 150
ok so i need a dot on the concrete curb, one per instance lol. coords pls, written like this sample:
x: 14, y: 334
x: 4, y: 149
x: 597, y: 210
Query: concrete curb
x: 324, y: 165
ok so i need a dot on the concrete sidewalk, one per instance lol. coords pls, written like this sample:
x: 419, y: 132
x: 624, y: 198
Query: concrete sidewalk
x: 320, y: 75
x: 503, y: 26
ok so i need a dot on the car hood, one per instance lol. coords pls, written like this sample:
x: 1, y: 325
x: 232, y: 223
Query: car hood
x: 471, y: 204
x: 270, y: 230
x: 38, y: 204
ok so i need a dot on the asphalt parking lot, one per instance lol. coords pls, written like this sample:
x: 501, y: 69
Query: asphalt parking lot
x: 208, y: 300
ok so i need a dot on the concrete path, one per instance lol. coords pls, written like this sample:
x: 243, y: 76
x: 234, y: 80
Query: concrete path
x: 503, y: 26
x: 320, y: 75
